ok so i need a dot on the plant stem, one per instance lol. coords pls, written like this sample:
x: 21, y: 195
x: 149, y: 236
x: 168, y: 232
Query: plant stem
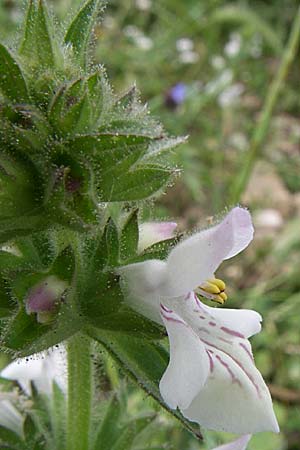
x: 262, y: 127
x: 79, y: 393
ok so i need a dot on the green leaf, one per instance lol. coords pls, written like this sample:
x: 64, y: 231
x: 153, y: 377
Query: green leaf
x: 8, y: 437
x: 71, y: 109
x: 30, y: 430
x: 10, y: 261
x: 99, y: 298
x: 7, y: 305
x: 43, y: 36
x: 130, y: 432
x: 28, y: 45
x: 58, y: 415
x: 130, y: 236
x: 12, y: 82
x: 22, y: 225
x: 112, y: 244
x: 115, y: 432
x: 125, y: 320
x: 38, y: 43
x: 112, y: 152
x: 110, y: 426
x: 144, y: 361
x: 138, y: 184
x: 79, y: 32
x: 114, y: 159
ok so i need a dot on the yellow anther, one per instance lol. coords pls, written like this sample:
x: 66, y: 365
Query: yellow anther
x: 223, y: 296
x: 217, y: 282
x: 218, y: 299
x: 211, y: 288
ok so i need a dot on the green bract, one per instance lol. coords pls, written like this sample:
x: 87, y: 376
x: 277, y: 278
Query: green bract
x: 75, y: 146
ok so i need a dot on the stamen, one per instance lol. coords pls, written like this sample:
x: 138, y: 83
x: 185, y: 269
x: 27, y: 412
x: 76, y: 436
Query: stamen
x: 214, y: 290
x: 220, y: 283
x: 210, y: 287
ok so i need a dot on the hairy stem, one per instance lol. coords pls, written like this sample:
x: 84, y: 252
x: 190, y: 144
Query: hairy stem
x: 79, y: 393
x: 262, y: 127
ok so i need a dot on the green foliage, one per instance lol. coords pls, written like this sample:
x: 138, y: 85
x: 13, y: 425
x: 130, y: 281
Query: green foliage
x: 130, y: 353
x: 85, y: 144
x: 12, y: 82
x: 88, y: 265
x: 79, y: 32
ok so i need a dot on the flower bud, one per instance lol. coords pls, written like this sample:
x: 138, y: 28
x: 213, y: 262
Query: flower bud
x: 152, y: 232
x: 44, y: 298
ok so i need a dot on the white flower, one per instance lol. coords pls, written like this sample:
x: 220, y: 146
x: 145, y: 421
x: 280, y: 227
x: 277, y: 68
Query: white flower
x: 233, y: 46
x: 184, y: 45
x: 10, y: 417
x: 230, y: 95
x: 42, y: 369
x: 143, y: 5
x: 188, y: 57
x: 211, y: 376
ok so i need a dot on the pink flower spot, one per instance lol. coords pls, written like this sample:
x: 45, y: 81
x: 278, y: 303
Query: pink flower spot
x: 212, y: 324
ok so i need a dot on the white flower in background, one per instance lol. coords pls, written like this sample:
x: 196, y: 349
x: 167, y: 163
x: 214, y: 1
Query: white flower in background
x: 185, y: 48
x: 219, y: 83
x: 211, y: 376
x: 269, y: 218
x: 139, y: 39
x: 233, y: 46
x: 188, y: 57
x: 218, y: 62
x: 152, y: 232
x: 230, y: 96
x: 184, y: 45
x: 256, y: 44
x: 239, y: 141
x: 143, y: 5
x: 10, y: 417
x: 42, y: 369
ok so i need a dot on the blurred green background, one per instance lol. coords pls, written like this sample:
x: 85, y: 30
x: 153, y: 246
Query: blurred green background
x: 204, y: 68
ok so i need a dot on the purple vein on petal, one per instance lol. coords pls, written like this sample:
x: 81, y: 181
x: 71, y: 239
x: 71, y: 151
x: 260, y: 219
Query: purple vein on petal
x: 224, y: 364
x: 246, y: 350
x: 232, y: 332
x: 249, y: 376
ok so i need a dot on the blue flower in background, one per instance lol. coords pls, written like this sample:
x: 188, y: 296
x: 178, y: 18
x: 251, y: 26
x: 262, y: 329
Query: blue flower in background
x: 176, y: 95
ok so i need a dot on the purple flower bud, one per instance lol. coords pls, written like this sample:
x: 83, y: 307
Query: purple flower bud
x: 45, y: 297
x: 176, y: 95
